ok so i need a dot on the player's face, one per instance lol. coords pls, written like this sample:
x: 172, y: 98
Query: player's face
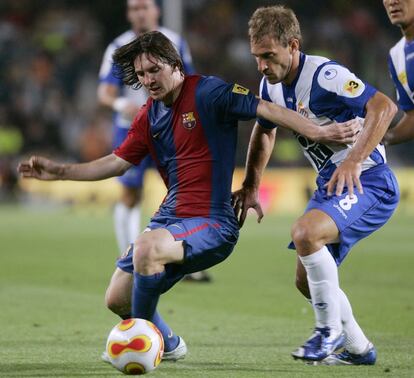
x: 160, y: 79
x: 273, y: 59
x: 143, y: 15
x: 400, y: 12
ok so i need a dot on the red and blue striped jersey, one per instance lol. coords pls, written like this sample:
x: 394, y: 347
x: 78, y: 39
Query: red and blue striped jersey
x: 193, y: 143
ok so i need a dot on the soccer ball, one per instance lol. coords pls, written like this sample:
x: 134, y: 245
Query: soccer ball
x: 135, y: 346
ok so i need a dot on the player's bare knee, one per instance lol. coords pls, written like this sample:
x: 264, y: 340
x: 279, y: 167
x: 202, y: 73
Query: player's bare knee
x: 146, y: 253
x: 112, y: 302
x: 305, y: 236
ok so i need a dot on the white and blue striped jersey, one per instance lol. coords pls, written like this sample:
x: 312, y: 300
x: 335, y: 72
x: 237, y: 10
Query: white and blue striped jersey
x: 401, y: 66
x: 107, y: 73
x: 323, y: 91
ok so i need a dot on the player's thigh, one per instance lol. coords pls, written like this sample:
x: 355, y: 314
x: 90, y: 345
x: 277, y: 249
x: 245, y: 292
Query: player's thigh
x: 315, y: 226
x: 206, y: 241
x: 159, y: 245
x: 130, y: 196
x: 118, y: 293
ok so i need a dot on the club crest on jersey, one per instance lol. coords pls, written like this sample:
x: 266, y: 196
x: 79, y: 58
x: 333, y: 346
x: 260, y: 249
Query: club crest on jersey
x: 402, y: 77
x: 240, y: 90
x: 302, y: 110
x: 189, y: 121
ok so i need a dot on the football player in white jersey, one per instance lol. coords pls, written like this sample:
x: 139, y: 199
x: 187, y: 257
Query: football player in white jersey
x: 357, y: 192
x: 143, y: 16
x: 401, y: 65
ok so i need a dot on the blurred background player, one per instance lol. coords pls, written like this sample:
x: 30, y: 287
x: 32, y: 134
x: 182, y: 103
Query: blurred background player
x: 323, y: 91
x: 401, y: 66
x: 143, y: 16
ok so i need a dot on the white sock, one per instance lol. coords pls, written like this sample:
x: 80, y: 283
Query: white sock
x: 323, y: 283
x: 121, y: 217
x: 134, y: 223
x: 356, y: 342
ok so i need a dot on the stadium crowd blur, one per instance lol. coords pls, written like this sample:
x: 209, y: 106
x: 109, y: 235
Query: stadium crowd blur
x: 50, y: 52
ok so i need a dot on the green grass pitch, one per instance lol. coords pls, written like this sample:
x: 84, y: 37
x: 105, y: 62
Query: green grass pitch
x: 55, y: 265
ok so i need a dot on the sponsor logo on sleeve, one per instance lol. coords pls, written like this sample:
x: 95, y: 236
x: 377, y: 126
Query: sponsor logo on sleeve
x: 353, y: 87
x: 240, y: 90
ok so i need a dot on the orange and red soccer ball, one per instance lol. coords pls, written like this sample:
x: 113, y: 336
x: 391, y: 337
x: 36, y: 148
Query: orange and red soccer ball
x: 135, y: 346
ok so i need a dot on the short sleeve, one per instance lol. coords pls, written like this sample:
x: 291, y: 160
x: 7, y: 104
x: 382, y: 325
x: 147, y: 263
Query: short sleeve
x: 186, y: 57
x: 109, y: 73
x: 135, y: 147
x: 264, y: 94
x: 229, y: 102
x: 404, y: 101
x: 348, y: 88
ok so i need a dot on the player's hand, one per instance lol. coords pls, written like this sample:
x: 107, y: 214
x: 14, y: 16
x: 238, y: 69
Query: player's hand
x: 40, y: 168
x: 244, y: 199
x: 346, y: 175
x: 340, y: 133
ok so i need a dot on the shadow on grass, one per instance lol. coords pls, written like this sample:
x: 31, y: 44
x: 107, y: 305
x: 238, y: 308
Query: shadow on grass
x: 224, y: 367
x: 28, y: 369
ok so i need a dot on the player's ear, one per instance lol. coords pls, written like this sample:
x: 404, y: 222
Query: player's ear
x: 293, y: 45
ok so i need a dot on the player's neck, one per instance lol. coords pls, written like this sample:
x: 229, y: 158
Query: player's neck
x: 408, y: 32
x: 173, y: 95
x: 294, y: 67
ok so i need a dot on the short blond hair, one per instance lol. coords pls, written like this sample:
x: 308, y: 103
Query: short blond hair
x: 277, y: 22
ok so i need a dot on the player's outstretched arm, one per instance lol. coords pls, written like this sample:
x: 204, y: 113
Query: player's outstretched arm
x: 343, y: 133
x: 260, y: 148
x: 403, y: 131
x: 45, y: 169
x: 380, y: 111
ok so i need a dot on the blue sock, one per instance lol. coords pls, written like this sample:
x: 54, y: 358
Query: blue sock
x: 145, y: 294
x: 171, y: 340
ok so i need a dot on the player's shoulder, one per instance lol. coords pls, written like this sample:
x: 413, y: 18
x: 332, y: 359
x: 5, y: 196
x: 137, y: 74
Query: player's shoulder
x: 315, y: 61
x: 209, y: 79
x: 335, y: 77
x: 123, y: 39
x: 212, y: 83
x: 271, y: 92
x: 173, y: 36
x: 142, y: 116
x: 398, y: 48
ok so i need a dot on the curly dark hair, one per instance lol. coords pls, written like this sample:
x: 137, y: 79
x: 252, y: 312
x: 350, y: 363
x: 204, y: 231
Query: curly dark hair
x: 151, y: 43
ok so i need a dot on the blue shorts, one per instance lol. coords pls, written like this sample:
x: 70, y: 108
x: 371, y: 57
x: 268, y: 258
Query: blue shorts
x: 206, y: 242
x: 356, y: 219
x: 133, y: 177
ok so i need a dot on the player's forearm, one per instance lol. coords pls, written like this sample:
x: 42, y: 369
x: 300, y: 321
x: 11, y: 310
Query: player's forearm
x: 290, y: 120
x: 403, y: 131
x: 258, y: 155
x: 380, y: 111
x: 107, y: 94
x: 100, y: 169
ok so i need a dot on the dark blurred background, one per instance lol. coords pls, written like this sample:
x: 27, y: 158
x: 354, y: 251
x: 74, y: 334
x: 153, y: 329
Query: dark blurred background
x: 50, y: 53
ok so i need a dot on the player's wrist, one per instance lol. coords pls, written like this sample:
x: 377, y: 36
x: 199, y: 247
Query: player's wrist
x: 250, y: 185
x: 120, y: 104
